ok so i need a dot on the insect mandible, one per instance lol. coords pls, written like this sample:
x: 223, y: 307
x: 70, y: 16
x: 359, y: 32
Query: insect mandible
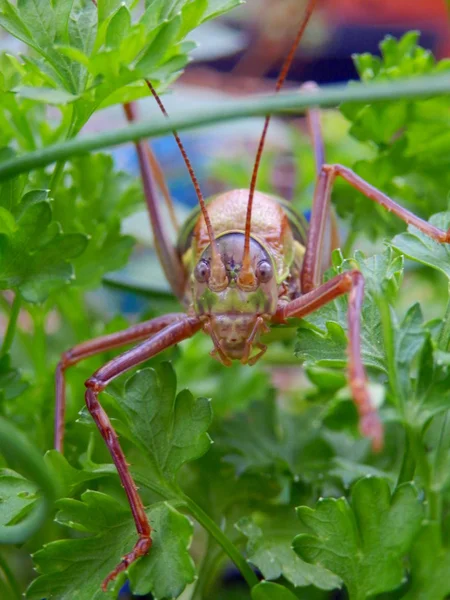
x: 245, y: 262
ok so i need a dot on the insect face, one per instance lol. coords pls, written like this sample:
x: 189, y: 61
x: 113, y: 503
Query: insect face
x: 234, y: 314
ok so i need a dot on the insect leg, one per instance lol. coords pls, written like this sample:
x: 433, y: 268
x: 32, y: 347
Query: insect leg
x: 351, y: 282
x: 330, y: 239
x: 170, y: 335
x: 315, y: 127
x: 311, y: 271
x: 150, y: 171
x: 96, y: 346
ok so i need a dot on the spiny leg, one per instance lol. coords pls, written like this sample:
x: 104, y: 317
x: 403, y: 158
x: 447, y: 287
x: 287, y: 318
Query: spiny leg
x: 351, y: 282
x: 96, y: 346
x: 170, y: 335
x: 311, y: 270
x: 167, y: 254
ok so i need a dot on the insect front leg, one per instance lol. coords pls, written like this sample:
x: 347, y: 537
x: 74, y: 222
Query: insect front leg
x: 351, y: 282
x: 81, y: 351
x: 311, y: 271
x: 169, y: 336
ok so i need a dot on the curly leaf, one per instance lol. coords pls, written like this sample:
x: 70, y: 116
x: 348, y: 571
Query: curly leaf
x: 274, y: 557
x: 363, y: 542
x: 169, y: 427
x: 421, y: 248
x: 77, y: 567
x: 35, y: 259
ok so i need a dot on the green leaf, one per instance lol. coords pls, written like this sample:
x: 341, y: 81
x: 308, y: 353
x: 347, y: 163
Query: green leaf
x: 17, y: 494
x: 93, y: 201
x: 421, y: 248
x: 83, y: 25
x: 118, y: 27
x: 11, y: 382
x: 35, y: 260
x: 322, y: 338
x: 39, y: 17
x: 7, y: 222
x: 408, y: 141
x: 364, y: 542
x: 12, y: 22
x: 169, y: 427
x: 269, y: 440
x: 77, y: 567
x: 46, y: 95
x: 67, y: 477
x: 430, y: 565
x: 273, y: 555
x: 271, y: 591
x: 218, y: 7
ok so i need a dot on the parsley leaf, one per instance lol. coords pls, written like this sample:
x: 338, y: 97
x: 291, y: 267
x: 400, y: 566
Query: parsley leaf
x: 364, y: 541
x: 77, y: 567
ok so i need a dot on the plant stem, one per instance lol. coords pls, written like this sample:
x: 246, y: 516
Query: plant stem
x: 39, y: 343
x: 228, y: 546
x: 348, y: 245
x: 332, y: 95
x: 389, y: 347
x: 408, y: 465
x: 11, y: 330
x: 59, y: 168
x: 11, y: 580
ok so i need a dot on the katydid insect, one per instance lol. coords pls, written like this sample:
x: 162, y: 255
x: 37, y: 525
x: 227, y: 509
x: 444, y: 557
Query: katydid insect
x: 244, y: 262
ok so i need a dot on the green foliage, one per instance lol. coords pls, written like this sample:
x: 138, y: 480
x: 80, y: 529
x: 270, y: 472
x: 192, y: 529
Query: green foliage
x: 286, y: 441
x: 34, y: 253
x: 365, y: 542
x: 430, y: 560
x: 169, y: 428
x: 410, y: 140
x: 89, y: 58
x: 274, y: 557
x: 421, y: 248
x: 81, y: 564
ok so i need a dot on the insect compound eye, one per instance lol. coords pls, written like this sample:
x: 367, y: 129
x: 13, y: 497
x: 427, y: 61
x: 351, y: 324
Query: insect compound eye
x: 264, y: 271
x: 202, y: 271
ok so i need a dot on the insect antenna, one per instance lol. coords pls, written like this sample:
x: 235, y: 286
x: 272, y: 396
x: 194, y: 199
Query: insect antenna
x: 218, y: 275
x: 247, y: 276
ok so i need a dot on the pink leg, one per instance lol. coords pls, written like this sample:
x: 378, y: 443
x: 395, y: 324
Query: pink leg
x: 101, y: 344
x: 351, y: 282
x: 311, y: 272
x: 167, y: 254
x: 315, y: 127
x: 170, y: 335
x: 330, y: 238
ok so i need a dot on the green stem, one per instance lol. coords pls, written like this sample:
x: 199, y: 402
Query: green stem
x: 440, y: 459
x: 11, y: 330
x: 39, y: 343
x: 348, y: 245
x: 59, y: 168
x: 10, y: 579
x: 389, y: 347
x: 411, y: 453
x: 444, y: 334
x: 408, y: 465
x: 228, y: 547
x: 225, y: 111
